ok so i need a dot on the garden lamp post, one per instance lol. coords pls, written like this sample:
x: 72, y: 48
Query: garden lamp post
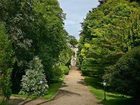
x: 104, y: 84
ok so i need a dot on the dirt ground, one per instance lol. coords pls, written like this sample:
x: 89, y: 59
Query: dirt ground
x: 73, y: 92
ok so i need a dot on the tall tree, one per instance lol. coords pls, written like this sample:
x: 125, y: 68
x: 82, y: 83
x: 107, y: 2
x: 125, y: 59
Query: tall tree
x: 109, y: 31
x: 35, y: 28
x: 6, y: 55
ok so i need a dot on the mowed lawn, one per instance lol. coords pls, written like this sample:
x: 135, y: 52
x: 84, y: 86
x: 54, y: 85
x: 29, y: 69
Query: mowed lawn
x: 52, y: 91
x: 111, y: 98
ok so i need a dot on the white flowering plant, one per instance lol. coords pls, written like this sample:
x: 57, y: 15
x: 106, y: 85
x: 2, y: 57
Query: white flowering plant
x: 34, y: 81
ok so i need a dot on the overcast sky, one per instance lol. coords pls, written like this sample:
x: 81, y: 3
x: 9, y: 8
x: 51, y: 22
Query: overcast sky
x: 76, y: 11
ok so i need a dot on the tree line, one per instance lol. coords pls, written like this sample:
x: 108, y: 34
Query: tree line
x: 109, y: 45
x: 34, y: 46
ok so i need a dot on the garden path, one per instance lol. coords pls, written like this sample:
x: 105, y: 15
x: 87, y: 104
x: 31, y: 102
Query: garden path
x: 73, y: 92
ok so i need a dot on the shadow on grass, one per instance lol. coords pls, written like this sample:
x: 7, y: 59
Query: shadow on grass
x: 53, y: 89
x: 12, y: 102
x: 112, y: 98
x: 116, y: 96
x: 93, y: 82
x: 16, y: 102
x: 117, y: 101
x: 23, y: 100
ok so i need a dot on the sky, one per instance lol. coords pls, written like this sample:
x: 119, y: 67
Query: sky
x: 76, y: 11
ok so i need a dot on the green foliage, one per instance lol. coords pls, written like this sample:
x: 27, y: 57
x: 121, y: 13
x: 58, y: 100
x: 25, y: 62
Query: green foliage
x: 73, y: 41
x: 6, y: 54
x: 65, y: 69
x: 53, y: 90
x: 113, y: 98
x: 124, y: 76
x: 34, y: 81
x: 5, y: 82
x: 57, y: 73
x: 65, y: 56
x: 109, y: 31
x: 52, y: 43
x: 61, y: 68
x: 86, y: 67
x: 35, y: 28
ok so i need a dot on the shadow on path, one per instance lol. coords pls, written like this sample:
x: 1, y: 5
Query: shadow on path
x: 73, y: 92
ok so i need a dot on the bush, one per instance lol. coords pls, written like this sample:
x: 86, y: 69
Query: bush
x: 86, y: 67
x: 89, y: 68
x: 34, y: 81
x: 64, y: 69
x: 125, y: 75
x: 57, y: 73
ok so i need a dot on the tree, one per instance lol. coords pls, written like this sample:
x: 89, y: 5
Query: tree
x: 34, y: 81
x: 73, y: 41
x: 53, y: 38
x: 19, y: 19
x: 109, y: 31
x: 124, y: 76
x: 35, y: 28
x: 6, y: 55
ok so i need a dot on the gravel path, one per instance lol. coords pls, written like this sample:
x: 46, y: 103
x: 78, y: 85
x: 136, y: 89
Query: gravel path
x: 73, y: 92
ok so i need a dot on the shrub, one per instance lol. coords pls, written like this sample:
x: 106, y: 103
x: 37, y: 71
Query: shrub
x: 125, y: 75
x: 86, y: 67
x: 34, y: 81
x: 89, y: 68
x: 58, y: 73
x: 64, y: 69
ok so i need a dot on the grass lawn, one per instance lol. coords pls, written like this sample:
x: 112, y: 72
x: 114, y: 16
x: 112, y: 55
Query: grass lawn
x: 1, y: 98
x: 52, y: 91
x: 111, y: 98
